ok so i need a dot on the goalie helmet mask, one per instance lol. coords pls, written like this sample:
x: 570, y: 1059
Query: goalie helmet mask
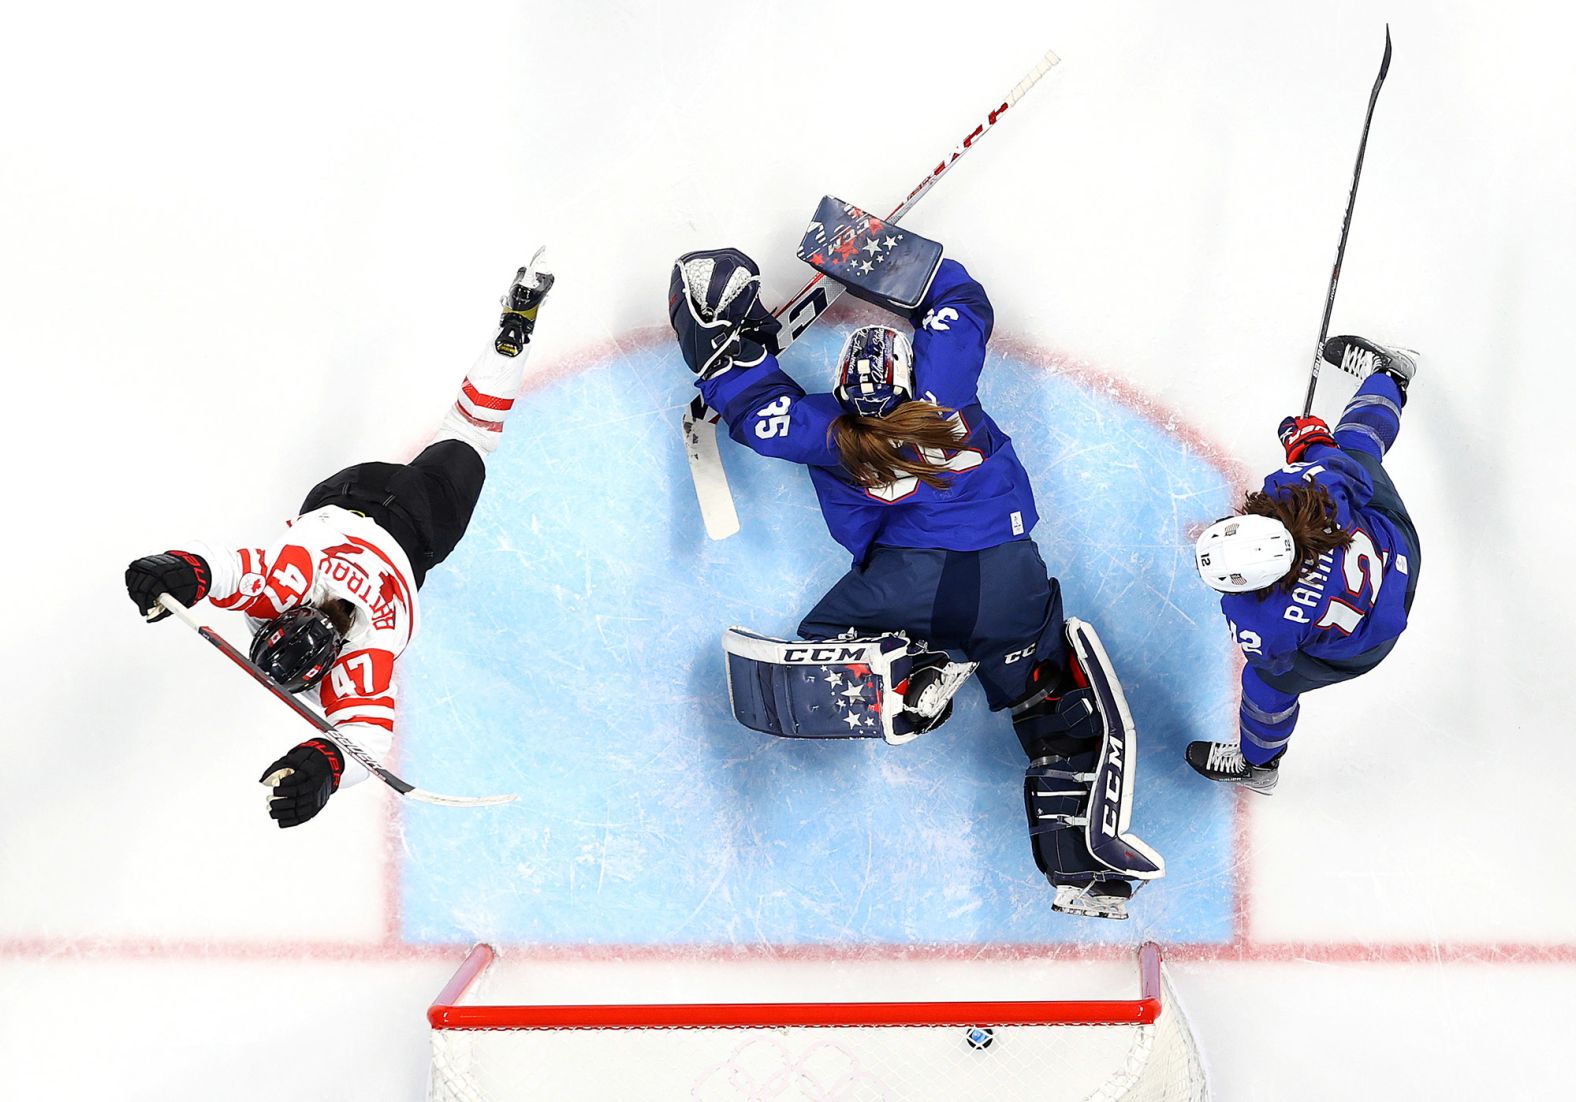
x: 297, y: 648
x: 1243, y: 554
x: 875, y: 371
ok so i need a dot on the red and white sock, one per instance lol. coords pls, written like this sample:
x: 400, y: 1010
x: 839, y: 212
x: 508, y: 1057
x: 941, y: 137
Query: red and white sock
x: 484, y: 401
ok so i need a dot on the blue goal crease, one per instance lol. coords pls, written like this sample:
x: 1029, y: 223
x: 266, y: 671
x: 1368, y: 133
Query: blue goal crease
x: 570, y: 651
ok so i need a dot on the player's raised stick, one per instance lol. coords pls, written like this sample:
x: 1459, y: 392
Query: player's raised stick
x: 798, y: 314
x: 349, y: 745
x: 1346, y: 225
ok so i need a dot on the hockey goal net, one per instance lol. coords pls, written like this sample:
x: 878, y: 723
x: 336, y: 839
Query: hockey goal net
x: 1136, y: 1049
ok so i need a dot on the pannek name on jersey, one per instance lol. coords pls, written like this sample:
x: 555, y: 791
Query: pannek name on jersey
x: 1309, y: 592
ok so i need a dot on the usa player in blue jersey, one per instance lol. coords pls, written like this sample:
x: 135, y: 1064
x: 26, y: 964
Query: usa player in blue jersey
x: 1318, y: 569
x: 925, y: 491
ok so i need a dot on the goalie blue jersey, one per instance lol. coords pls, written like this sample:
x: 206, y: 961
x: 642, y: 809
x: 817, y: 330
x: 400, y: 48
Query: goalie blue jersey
x: 988, y: 501
x: 1353, y: 600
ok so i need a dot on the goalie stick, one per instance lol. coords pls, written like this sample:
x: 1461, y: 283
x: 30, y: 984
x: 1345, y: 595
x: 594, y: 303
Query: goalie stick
x: 798, y: 314
x: 1346, y: 225
x: 349, y: 745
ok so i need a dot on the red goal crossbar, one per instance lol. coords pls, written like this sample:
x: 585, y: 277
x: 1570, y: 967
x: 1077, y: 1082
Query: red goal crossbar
x: 447, y: 1013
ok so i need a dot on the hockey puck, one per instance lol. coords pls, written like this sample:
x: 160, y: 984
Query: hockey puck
x: 979, y: 1037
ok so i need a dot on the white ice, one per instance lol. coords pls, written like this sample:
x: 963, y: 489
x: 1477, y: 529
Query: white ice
x: 244, y: 243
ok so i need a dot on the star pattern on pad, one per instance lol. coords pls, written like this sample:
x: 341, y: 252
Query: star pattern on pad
x: 860, y: 702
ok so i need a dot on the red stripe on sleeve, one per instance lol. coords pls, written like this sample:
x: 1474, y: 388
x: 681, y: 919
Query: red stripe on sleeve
x: 369, y: 721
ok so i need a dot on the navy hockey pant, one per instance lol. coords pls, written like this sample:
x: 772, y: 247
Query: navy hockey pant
x: 998, y: 607
x: 1367, y: 430
x: 425, y: 504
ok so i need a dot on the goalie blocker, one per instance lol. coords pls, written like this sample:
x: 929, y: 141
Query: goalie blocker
x: 1078, y: 788
x: 874, y: 687
x: 876, y: 261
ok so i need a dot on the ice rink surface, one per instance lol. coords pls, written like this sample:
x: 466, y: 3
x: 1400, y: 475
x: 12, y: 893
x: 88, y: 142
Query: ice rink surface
x: 243, y: 249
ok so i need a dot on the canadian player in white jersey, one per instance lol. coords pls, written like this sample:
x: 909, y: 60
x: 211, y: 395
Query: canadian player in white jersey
x: 332, y: 602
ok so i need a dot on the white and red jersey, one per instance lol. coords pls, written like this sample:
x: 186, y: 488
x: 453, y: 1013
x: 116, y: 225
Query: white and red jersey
x: 325, y: 554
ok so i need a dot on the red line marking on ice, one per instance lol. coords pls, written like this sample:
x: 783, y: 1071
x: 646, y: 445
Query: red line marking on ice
x: 1464, y: 953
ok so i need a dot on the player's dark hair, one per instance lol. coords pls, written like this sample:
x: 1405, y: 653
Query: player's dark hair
x: 340, y: 613
x: 1309, y: 515
x: 871, y: 446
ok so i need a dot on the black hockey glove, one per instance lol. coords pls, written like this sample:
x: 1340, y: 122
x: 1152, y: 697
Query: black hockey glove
x: 715, y: 309
x: 302, y: 781
x: 181, y: 574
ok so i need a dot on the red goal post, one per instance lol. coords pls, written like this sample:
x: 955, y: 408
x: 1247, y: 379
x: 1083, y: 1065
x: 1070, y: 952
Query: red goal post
x: 1107, y: 1049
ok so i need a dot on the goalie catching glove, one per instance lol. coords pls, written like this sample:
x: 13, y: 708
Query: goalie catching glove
x: 714, y: 304
x: 302, y: 781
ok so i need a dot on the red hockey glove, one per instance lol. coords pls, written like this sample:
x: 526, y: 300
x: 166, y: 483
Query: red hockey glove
x: 1298, y: 434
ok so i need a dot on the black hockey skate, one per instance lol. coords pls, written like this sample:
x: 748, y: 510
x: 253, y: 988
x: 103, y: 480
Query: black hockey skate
x: 1361, y: 357
x: 1223, y: 761
x: 520, y: 304
x: 928, y: 692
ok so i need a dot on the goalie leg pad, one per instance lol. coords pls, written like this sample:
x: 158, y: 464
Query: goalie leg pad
x: 1078, y: 791
x: 1111, y: 797
x: 848, y: 687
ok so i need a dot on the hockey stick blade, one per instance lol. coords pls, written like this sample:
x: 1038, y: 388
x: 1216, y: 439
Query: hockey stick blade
x: 349, y: 745
x: 710, y: 477
x: 798, y: 314
x: 1346, y: 226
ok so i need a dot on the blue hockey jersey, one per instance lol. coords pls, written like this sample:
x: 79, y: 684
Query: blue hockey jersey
x: 1352, y: 601
x: 989, y: 500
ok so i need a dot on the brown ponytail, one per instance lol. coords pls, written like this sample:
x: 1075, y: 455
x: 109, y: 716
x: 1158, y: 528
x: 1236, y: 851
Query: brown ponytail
x: 870, y: 446
x: 1309, y: 515
x: 340, y: 613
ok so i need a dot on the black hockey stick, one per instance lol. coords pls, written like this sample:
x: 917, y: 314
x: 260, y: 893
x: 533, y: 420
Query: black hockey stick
x: 349, y: 745
x: 1346, y: 225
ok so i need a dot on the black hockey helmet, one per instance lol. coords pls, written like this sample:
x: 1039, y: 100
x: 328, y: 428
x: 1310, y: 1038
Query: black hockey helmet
x: 297, y: 647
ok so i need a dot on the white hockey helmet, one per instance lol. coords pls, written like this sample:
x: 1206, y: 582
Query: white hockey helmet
x: 1241, y: 554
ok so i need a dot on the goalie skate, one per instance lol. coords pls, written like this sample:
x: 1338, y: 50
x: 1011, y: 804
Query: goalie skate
x: 1098, y: 899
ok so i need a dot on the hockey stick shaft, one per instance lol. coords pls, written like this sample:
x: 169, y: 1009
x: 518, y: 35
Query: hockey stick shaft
x: 818, y: 294
x: 1346, y: 226
x: 349, y: 745
x: 798, y: 314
